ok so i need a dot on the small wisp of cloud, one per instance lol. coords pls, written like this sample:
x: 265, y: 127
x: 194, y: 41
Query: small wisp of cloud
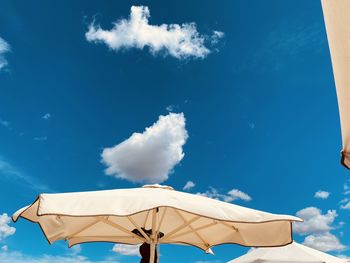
x: 75, y: 250
x: 251, y: 125
x: 40, y: 139
x: 179, y: 41
x: 217, y: 35
x: 126, y: 250
x: 10, y: 172
x: 47, y: 116
x: 188, y: 186
x: 346, y: 206
x: 279, y: 46
x: 322, y: 194
x: 19, y: 257
x: 345, y: 202
x: 4, y: 248
x: 4, y: 48
x: 230, y: 196
x: 172, y: 108
x: 5, y: 124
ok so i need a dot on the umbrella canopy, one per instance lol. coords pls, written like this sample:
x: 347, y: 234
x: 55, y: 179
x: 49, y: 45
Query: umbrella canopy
x: 337, y: 19
x: 125, y: 216
x: 293, y: 253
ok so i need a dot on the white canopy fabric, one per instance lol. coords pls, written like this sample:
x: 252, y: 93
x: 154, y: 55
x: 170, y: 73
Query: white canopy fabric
x: 293, y: 253
x: 171, y: 216
x: 337, y: 19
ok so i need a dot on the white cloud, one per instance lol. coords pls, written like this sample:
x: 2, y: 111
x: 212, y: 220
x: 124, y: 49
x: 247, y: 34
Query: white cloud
x: 47, y: 116
x: 189, y: 185
x: 321, y: 194
x: 317, y: 227
x: 230, y: 196
x: 179, y: 41
x: 4, y: 48
x: 126, y: 250
x: 149, y: 156
x: 314, y: 221
x: 5, y: 229
x: 18, y: 257
x: 325, y: 242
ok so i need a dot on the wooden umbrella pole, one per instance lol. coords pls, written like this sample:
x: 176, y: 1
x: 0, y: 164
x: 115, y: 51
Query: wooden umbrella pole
x: 154, y: 235
x: 153, y: 248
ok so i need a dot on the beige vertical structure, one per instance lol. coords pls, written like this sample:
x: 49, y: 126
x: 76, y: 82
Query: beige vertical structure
x: 337, y: 19
x: 156, y: 215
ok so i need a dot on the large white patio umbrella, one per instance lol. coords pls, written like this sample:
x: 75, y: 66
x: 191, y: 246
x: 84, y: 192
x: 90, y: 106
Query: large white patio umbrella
x: 337, y: 19
x: 293, y: 253
x: 129, y: 215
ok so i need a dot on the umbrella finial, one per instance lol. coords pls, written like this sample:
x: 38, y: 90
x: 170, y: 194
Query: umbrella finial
x: 167, y: 187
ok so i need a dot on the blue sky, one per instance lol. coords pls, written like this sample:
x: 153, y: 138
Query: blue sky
x: 253, y: 106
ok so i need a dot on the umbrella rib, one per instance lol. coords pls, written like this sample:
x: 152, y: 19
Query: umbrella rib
x: 179, y: 228
x: 104, y: 237
x: 232, y: 227
x: 161, y: 219
x: 138, y: 228
x: 144, y: 224
x: 83, y: 228
x: 154, y: 224
x: 193, y: 230
x: 112, y: 224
